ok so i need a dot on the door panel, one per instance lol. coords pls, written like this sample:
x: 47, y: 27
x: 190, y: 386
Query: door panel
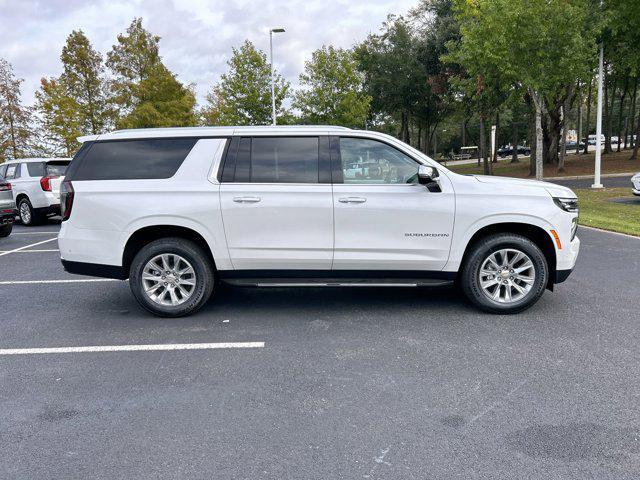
x: 278, y: 227
x: 383, y: 219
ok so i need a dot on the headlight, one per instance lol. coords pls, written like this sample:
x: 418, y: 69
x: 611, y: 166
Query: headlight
x: 567, y: 204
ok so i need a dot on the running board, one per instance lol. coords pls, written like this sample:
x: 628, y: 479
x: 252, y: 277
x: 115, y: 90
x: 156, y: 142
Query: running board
x: 306, y: 282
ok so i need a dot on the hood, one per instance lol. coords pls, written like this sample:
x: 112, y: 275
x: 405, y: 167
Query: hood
x: 553, y: 189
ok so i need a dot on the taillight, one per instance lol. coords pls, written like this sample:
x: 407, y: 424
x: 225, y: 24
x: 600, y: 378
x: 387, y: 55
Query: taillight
x: 4, y: 187
x: 45, y: 182
x: 66, y: 199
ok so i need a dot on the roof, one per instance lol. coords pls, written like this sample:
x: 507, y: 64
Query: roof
x: 37, y: 159
x: 212, y: 131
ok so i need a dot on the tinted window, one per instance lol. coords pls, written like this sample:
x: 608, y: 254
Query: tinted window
x: 56, y: 169
x: 3, y: 169
x: 13, y: 171
x: 370, y: 161
x: 36, y: 169
x: 284, y: 160
x: 133, y: 159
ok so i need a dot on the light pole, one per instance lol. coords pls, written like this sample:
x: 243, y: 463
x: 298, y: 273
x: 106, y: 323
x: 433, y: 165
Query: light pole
x: 596, y: 179
x: 273, y: 87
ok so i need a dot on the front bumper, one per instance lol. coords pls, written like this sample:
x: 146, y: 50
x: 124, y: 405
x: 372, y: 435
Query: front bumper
x: 635, y: 186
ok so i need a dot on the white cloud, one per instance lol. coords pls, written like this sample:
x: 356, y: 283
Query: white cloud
x: 197, y: 35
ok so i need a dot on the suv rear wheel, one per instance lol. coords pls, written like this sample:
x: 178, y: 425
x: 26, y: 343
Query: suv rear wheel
x: 504, y: 273
x: 28, y: 216
x: 171, y: 277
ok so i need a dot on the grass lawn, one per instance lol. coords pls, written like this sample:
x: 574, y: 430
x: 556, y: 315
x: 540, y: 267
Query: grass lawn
x: 596, y: 210
x: 574, y: 165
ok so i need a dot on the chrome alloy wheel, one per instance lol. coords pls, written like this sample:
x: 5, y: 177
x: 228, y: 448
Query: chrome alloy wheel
x: 168, y: 279
x: 25, y: 213
x: 507, y: 275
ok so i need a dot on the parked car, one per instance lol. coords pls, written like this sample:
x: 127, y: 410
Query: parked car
x: 571, y: 145
x: 36, y: 186
x: 7, y: 208
x: 635, y: 182
x: 592, y: 139
x: 178, y: 210
x: 507, y: 151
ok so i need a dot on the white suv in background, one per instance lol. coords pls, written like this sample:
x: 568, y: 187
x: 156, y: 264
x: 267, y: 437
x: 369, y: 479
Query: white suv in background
x: 178, y: 210
x: 635, y: 182
x: 36, y: 186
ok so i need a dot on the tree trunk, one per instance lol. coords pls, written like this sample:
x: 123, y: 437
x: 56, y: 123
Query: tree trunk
x: 608, y: 124
x: 563, y: 140
x: 634, y: 155
x: 553, y: 127
x: 514, y: 142
x: 495, y: 150
x: 622, y: 98
x: 404, y: 127
x: 631, y: 116
x: 579, y: 132
x: 539, y: 140
x: 586, y: 128
x: 483, y: 147
x: 463, y: 132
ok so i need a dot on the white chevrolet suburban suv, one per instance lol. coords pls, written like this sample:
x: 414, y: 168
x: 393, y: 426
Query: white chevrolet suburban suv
x: 176, y: 211
x: 36, y: 186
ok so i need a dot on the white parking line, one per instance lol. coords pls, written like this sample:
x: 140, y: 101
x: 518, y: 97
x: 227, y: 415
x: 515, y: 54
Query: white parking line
x: 31, y: 251
x: 34, y: 233
x: 131, y: 348
x: 84, y: 280
x: 27, y: 246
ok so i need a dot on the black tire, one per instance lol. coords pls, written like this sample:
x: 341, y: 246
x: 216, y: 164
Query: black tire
x: 30, y: 217
x: 481, y: 250
x: 186, y: 249
x: 5, y: 230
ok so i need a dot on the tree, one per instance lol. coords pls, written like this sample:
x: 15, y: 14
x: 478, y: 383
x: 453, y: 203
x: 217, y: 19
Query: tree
x: 145, y: 92
x: 543, y: 46
x: 15, y: 119
x: 332, y: 92
x: 161, y: 101
x: 61, y: 119
x: 243, y: 94
x: 393, y: 76
x: 83, y: 77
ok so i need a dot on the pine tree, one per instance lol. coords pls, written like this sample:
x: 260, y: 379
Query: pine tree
x: 15, y: 119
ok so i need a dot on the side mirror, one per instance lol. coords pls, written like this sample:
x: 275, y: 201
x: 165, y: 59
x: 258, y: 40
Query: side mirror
x: 428, y: 176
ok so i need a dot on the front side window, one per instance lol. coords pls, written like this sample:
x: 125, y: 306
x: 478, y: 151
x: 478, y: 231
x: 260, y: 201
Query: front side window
x: 133, y: 159
x: 367, y: 161
x: 284, y: 159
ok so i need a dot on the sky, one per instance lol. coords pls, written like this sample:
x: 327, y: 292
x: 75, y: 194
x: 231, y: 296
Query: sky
x: 196, y: 35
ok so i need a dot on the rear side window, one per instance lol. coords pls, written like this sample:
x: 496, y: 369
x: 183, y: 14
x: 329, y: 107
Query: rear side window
x: 36, y: 169
x: 133, y: 159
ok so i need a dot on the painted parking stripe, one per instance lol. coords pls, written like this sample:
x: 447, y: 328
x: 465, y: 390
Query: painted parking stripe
x: 35, y: 233
x: 131, y: 348
x: 27, y: 246
x: 34, y: 282
x: 31, y: 251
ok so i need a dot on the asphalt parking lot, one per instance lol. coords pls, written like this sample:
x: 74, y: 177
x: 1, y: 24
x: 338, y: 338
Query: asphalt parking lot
x: 350, y: 383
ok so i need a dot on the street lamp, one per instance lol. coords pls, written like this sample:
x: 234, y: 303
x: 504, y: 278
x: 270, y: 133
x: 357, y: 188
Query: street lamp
x: 273, y: 88
x: 596, y: 176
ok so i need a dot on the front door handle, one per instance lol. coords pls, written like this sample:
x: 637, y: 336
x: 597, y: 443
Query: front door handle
x: 352, y: 200
x: 246, y: 199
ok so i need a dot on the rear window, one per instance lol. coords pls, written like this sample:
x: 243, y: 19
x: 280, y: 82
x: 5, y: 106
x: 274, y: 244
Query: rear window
x: 56, y: 169
x: 133, y: 159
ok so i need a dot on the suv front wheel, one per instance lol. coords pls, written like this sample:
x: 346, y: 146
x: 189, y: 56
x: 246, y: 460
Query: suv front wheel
x: 171, y: 277
x: 504, y: 273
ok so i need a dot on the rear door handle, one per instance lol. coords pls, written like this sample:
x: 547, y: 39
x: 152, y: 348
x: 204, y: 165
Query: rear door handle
x: 352, y: 200
x: 246, y: 199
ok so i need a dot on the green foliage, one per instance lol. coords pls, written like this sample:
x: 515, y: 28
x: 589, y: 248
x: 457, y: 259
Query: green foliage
x: 161, y: 101
x: 145, y: 92
x: 83, y: 77
x: 15, y: 119
x: 243, y: 95
x: 61, y: 118
x: 332, y: 92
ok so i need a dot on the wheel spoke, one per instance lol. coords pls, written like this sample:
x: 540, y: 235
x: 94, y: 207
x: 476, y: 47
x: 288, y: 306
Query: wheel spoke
x: 508, y: 265
x: 179, y: 284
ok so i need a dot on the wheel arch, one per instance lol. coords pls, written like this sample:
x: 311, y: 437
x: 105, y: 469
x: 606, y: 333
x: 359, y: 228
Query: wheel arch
x: 145, y: 235
x: 535, y: 233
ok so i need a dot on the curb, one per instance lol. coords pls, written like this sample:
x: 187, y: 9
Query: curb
x: 586, y: 177
x: 607, y: 231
